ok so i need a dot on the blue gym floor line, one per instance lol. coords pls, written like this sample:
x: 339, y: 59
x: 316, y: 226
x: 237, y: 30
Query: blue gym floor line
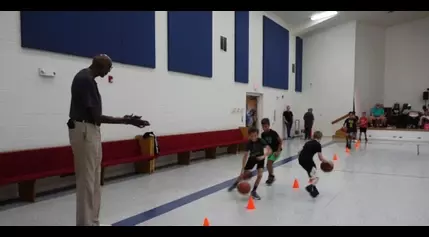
x: 167, y: 207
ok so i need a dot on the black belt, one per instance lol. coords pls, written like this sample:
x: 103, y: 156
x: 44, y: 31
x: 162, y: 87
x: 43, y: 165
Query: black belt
x: 86, y: 121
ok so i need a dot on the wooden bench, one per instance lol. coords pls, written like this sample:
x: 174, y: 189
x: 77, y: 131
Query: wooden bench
x: 184, y: 144
x: 25, y: 167
x: 127, y: 151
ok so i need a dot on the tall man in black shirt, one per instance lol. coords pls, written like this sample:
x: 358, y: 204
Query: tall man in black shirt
x: 288, y: 120
x: 85, y: 138
x: 308, y: 123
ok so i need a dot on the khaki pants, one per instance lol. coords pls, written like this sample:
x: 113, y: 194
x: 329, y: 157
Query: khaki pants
x: 85, y: 140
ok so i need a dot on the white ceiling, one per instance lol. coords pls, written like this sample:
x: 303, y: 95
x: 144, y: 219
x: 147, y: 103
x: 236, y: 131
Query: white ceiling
x: 300, y: 24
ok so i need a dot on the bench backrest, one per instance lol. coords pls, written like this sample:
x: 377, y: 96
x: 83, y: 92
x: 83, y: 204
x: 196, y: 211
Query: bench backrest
x: 197, y: 140
x: 32, y: 164
x: 224, y: 136
x: 113, y: 150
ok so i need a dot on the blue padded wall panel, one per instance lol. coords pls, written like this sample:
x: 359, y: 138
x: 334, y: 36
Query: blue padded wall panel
x: 298, y: 64
x: 138, y: 38
x: 48, y: 38
x: 275, y: 55
x: 79, y: 33
x: 241, y: 47
x: 127, y: 37
x: 190, y: 42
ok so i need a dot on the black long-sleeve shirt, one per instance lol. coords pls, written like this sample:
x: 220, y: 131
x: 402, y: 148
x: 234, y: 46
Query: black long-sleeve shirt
x: 308, y: 119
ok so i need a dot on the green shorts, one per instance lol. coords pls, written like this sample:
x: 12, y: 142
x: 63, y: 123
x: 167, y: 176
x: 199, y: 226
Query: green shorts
x: 272, y: 157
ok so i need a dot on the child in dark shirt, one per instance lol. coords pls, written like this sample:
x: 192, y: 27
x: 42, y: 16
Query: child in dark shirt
x: 351, y: 128
x: 305, y: 159
x: 256, y: 151
x: 273, y: 140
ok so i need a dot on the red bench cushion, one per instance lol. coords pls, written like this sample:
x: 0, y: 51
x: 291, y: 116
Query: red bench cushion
x: 196, y: 141
x: 121, y: 152
x: 33, y: 164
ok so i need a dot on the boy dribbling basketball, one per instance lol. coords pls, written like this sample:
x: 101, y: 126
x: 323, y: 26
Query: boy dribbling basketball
x: 273, y: 140
x: 305, y: 159
x: 256, y: 151
x: 351, y: 128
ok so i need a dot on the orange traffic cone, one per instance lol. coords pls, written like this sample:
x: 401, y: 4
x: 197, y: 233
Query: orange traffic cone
x: 335, y: 157
x: 347, y: 150
x: 206, y: 222
x: 250, y: 204
x: 295, y: 184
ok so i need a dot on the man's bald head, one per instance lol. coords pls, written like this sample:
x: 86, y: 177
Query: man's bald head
x: 101, y: 65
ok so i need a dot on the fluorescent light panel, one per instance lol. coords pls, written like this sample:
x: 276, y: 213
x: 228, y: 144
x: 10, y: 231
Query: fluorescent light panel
x: 323, y: 15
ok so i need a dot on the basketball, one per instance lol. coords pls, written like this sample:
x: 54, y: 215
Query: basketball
x: 326, y: 166
x: 344, y: 129
x: 243, y: 187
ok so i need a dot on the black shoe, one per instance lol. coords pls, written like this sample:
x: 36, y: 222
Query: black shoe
x: 312, y: 190
x: 232, y: 187
x: 309, y: 188
x: 270, y: 180
x: 366, y: 140
x: 255, y: 195
x: 315, y: 192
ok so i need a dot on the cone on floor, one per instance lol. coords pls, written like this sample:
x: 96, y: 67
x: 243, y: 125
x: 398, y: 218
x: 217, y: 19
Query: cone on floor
x: 347, y: 150
x: 206, y: 222
x: 295, y: 184
x: 250, y: 204
x: 335, y: 157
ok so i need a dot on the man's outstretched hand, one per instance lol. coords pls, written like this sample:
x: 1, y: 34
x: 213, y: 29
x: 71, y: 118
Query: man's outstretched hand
x: 136, y: 121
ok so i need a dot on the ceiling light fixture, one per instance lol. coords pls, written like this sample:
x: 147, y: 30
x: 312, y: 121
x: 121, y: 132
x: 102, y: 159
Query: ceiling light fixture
x: 323, y: 15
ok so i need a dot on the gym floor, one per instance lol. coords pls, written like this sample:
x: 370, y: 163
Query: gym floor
x: 381, y: 183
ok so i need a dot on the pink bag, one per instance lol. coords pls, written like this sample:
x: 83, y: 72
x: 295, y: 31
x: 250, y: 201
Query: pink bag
x: 426, y: 127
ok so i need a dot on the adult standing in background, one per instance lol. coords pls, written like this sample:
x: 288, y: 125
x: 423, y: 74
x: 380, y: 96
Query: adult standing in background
x: 288, y: 120
x: 377, y: 117
x: 85, y: 138
x: 308, y: 123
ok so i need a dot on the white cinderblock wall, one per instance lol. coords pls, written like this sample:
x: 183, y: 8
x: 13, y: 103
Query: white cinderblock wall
x: 407, y: 63
x: 35, y: 109
x: 376, y: 64
x: 369, y: 66
x: 329, y: 73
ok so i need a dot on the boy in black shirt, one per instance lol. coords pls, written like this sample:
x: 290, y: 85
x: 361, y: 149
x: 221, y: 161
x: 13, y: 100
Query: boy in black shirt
x: 256, y: 151
x: 273, y: 140
x: 305, y: 159
x: 351, y: 128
